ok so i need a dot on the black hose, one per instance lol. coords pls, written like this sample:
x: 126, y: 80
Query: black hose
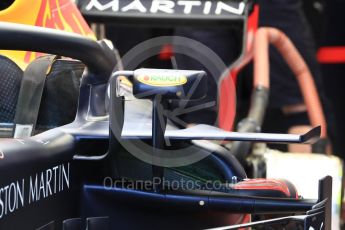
x: 252, y: 123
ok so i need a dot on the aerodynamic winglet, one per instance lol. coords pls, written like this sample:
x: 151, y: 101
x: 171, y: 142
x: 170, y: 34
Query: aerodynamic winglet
x: 311, y: 136
x: 207, y: 132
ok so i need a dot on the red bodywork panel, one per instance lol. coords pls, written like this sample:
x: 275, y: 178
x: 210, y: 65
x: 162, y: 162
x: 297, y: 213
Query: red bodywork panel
x: 284, y: 187
x: 227, y: 96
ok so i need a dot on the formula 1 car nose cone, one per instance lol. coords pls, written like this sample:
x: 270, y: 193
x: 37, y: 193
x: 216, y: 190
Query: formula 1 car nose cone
x: 171, y: 84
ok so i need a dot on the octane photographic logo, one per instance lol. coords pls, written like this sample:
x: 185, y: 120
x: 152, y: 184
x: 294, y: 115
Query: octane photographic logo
x: 138, y: 113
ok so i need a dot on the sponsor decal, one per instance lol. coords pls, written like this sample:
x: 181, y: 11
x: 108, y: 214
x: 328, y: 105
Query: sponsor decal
x: 60, y: 15
x: 167, y: 7
x: 34, y: 188
x: 55, y: 14
x: 162, y: 80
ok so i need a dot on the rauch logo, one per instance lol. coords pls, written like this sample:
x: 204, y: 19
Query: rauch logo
x: 160, y: 80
